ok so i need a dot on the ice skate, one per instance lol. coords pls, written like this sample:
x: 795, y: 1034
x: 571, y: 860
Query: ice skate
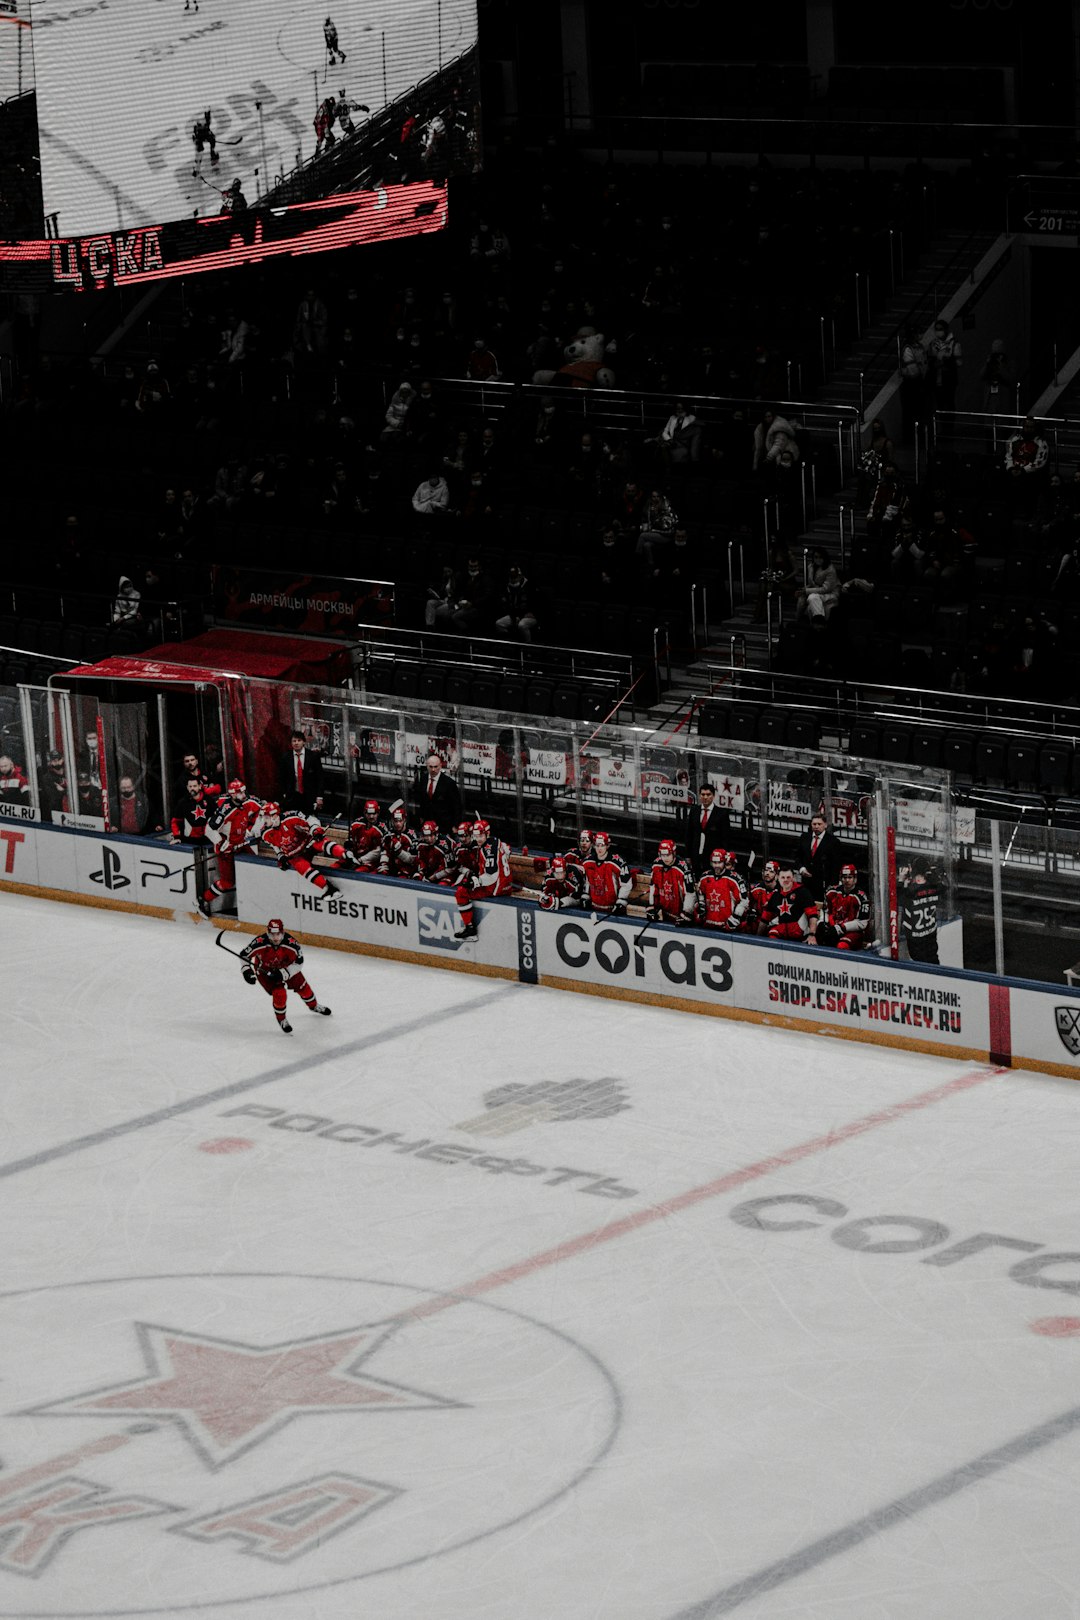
x: 470, y: 931
x: 284, y: 1026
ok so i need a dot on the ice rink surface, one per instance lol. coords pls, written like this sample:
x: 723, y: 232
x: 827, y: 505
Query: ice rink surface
x: 121, y: 82
x: 462, y: 1303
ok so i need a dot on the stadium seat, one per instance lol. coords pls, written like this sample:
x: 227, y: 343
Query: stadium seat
x: 926, y: 747
x: 714, y: 720
x: 958, y: 753
x: 458, y: 688
x: 432, y: 684
x: 482, y: 692
x: 743, y: 724
x: 772, y: 728
x: 896, y: 741
x: 990, y: 758
x: 1022, y: 763
x: 405, y: 679
x: 1055, y: 766
x: 802, y: 731
x: 865, y: 740
x: 566, y: 700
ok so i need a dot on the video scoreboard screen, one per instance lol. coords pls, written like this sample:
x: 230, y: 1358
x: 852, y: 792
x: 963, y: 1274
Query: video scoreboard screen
x: 306, y: 122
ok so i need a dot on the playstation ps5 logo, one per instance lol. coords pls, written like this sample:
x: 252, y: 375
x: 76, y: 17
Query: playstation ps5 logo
x: 111, y: 875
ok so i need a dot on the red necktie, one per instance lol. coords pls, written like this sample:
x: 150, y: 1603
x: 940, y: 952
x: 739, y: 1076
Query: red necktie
x: 431, y: 787
x: 299, y: 774
x: 704, y: 820
x: 813, y: 848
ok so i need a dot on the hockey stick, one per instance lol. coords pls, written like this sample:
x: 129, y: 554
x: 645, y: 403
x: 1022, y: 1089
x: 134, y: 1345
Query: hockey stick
x: 643, y: 931
x: 217, y: 941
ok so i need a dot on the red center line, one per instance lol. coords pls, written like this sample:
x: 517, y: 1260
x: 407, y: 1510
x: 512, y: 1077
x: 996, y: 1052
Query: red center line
x: 697, y: 1195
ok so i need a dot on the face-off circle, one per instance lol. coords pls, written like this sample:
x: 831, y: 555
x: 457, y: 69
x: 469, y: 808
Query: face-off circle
x: 175, y: 1441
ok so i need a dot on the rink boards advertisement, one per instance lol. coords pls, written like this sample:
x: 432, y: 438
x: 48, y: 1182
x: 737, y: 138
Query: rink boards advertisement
x: 871, y: 998
x: 382, y: 914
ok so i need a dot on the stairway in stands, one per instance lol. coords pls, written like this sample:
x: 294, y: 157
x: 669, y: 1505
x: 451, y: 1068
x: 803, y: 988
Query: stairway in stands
x: 942, y: 270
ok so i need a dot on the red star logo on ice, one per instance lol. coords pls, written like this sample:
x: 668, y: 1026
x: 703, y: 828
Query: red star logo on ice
x: 227, y: 1397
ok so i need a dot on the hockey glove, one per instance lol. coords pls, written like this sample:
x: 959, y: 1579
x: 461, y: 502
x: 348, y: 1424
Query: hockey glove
x: 273, y: 978
x: 549, y: 902
x: 653, y: 913
x: 284, y: 863
x: 249, y: 975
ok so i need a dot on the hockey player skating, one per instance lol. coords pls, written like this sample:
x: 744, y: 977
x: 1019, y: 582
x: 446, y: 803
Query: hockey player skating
x: 345, y: 110
x: 203, y: 136
x: 233, y: 826
x: 484, y: 872
x: 324, y: 125
x: 334, y: 52
x: 671, y: 886
x: 608, y: 878
x: 293, y: 839
x: 273, y: 960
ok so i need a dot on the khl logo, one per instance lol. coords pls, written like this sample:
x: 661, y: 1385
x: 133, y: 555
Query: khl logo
x: 111, y: 874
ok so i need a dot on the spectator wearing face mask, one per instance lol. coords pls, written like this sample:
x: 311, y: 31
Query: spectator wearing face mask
x: 431, y: 497
x: 131, y: 814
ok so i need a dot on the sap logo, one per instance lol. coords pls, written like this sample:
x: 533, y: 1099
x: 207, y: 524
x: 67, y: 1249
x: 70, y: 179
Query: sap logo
x: 437, y: 921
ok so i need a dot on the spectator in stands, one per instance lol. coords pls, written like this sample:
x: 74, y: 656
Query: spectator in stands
x: 680, y: 438
x: 88, y: 795
x: 131, y: 813
x: 658, y: 526
x: 126, y: 603
x: 889, y: 506
x: 629, y: 507
x: 473, y: 605
x: 945, y: 362
x: 947, y: 552
x: 546, y: 432
x: 1026, y: 456
x: 312, y: 326
x: 780, y: 579
x: 878, y: 452
x: 676, y: 569
x: 438, y: 796
x: 14, y: 788
x: 52, y: 784
x: 517, y: 618
x: 611, y: 582
x: 996, y: 378
x: 153, y: 395
x: 914, y: 371
x: 431, y: 498
x: 442, y: 598
x: 819, y: 596
x: 425, y: 418
x: 482, y: 366
x: 820, y: 856
x: 396, y: 420
x: 476, y: 509
x: 772, y: 436
x: 301, y: 776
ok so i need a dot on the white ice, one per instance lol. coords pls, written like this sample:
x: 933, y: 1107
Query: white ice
x: 121, y: 82
x: 619, y: 1429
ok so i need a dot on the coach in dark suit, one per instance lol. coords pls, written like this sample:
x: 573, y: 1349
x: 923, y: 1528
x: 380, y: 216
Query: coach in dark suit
x: 438, y: 797
x: 820, y: 857
x: 707, y: 828
x: 301, y: 777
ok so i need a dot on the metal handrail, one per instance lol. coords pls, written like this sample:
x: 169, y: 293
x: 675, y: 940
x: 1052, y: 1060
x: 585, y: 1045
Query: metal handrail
x: 932, y: 706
